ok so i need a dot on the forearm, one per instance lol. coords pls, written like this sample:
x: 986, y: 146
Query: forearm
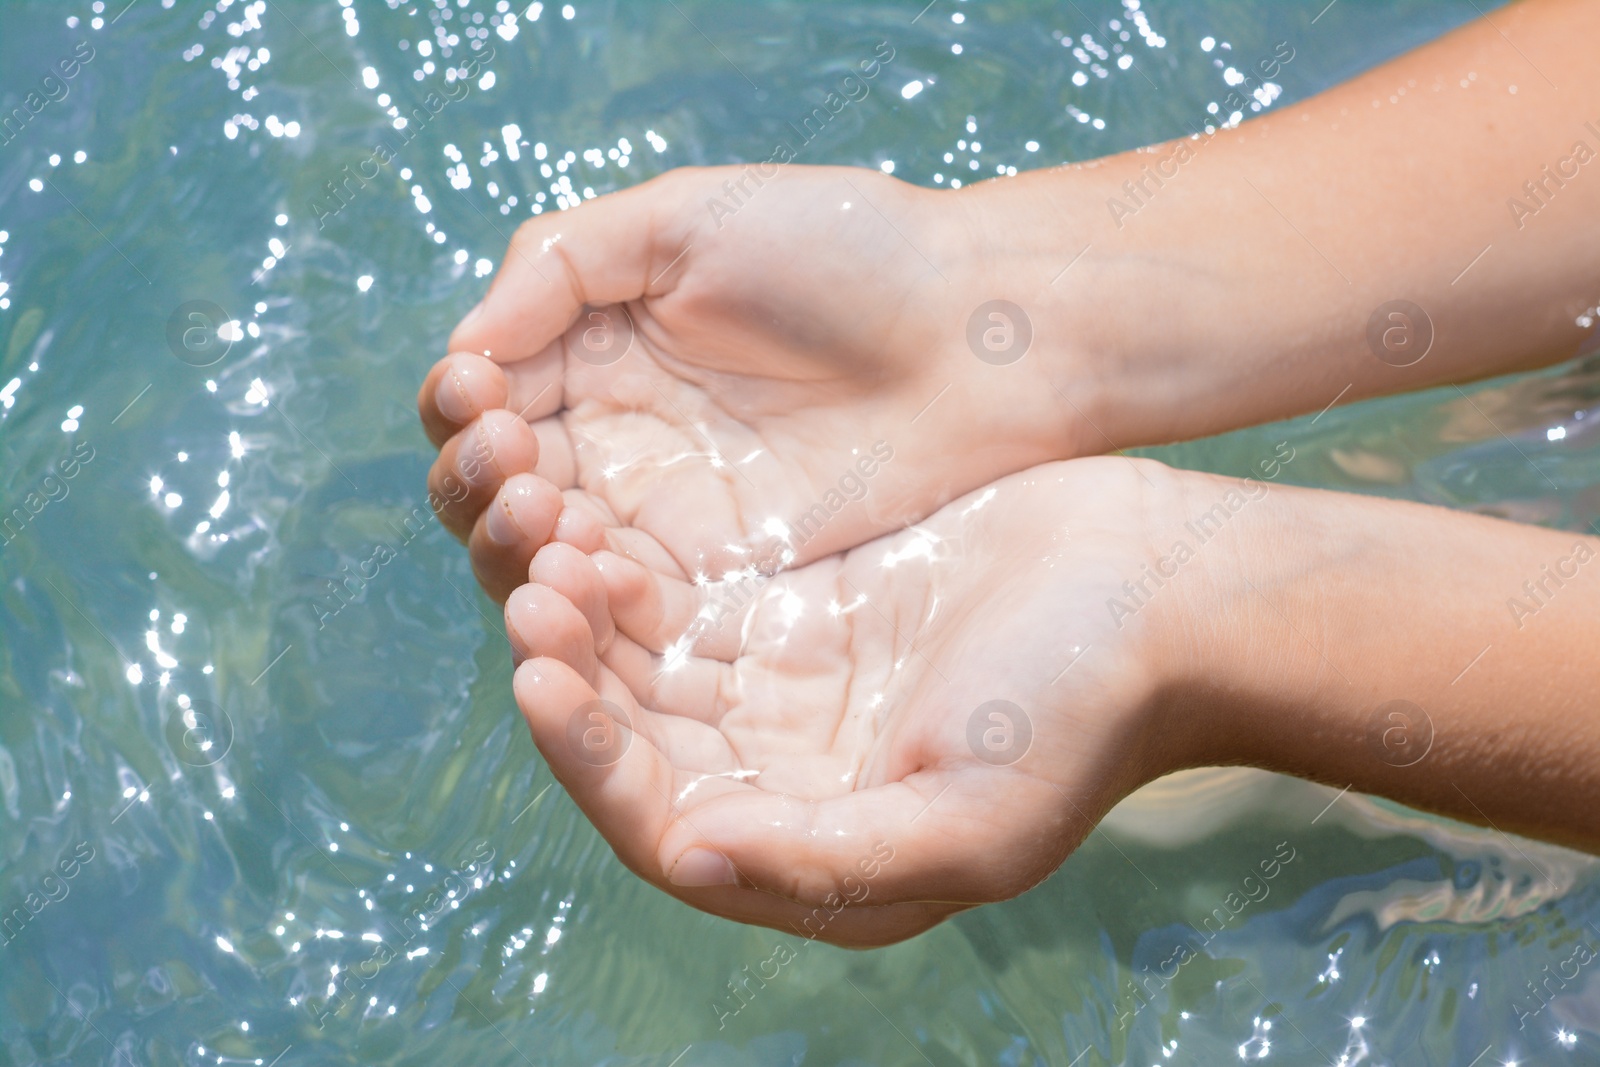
x: 1235, y: 283
x: 1445, y: 660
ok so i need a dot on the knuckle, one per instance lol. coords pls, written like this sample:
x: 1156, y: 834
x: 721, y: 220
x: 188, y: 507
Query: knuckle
x: 528, y: 234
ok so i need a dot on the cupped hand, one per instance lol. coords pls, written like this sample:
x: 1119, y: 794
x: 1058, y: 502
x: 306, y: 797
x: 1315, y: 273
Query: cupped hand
x: 739, y: 362
x: 859, y: 747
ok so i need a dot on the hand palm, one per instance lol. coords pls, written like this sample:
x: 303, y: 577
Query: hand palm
x: 843, y: 706
x: 712, y: 392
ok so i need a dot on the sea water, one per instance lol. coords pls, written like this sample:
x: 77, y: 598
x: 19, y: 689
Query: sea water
x: 246, y: 821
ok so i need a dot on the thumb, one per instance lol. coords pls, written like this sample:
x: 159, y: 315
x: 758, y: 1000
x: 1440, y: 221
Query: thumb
x: 607, y: 251
x: 933, y: 837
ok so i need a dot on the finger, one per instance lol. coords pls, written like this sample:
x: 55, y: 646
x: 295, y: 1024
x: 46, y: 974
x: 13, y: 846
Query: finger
x: 520, y: 520
x: 543, y: 624
x: 585, y: 501
x: 660, y: 476
x: 616, y: 249
x: 614, y: 773
x: 658, y: 612
x: 842, y: 922
x: 558, y: 465
x: 582, y: 524
x: 537, y: 384
x: 637, y: 545
x: 572, y: 574
x: 625, y: 785
x: 940, y: 837
x: 695, y: 750
x: 473, y: 465
x: 699, y: 751
x: 457, y: 390
x: 683, y: 687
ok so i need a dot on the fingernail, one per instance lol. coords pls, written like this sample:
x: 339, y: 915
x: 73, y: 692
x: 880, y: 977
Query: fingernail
x: 452, y: 399
x: 701, y: 867
x: 501, y: 523
x: 513, y: 635
x: 487, y: 437
x: 479, y: 467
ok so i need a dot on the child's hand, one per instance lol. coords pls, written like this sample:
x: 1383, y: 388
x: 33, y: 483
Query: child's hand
x: 925, y: 723
x: 936, y: 718
x: 747, y: 361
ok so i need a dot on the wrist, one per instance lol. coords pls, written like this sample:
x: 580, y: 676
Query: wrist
x: 1004, y: 343
x: 1237, y: 645
x: 1105, y: 313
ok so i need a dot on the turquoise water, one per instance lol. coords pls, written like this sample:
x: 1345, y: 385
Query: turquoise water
x: 212, y: 786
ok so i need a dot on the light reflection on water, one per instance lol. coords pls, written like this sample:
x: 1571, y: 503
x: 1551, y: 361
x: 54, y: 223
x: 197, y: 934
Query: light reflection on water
x: 264, y: 788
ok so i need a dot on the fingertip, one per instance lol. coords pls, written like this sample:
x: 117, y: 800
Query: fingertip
x: 524, y: 512
x: 625, y: 580
x: 501, y: 445
x: 547, y: 690
x: 527, y: 306
x: 580, y: 529
x: 468, y: 386
x: 699, y: 867
x: 513, y: 526
x: 526, y: 681
x: 539, y: 676
x: 633, y: 597
x: 540, y: 622
x: 690, y: 858
x: 569, y: 572
x: 558, y: 261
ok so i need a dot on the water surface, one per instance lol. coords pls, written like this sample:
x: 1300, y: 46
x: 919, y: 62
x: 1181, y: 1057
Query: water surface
x: 366, y: 762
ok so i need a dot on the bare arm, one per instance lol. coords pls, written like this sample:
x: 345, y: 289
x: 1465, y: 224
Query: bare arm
x: 1445, y: 660
x: 1099, y: 623
x: 1294, y: 621
x: 1231, y: 279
